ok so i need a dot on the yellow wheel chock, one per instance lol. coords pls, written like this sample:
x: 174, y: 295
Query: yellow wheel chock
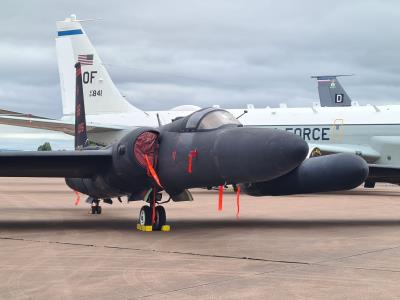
x: 147, y: 228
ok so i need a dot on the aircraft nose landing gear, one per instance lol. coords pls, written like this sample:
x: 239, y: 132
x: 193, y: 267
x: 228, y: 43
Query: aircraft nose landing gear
x: 96, y: 208
x: 161, y: 218
x: 145, y: 217
x: 146, y: 220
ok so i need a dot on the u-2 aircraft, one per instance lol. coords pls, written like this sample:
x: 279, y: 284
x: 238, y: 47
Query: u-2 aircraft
x: 209, y: 147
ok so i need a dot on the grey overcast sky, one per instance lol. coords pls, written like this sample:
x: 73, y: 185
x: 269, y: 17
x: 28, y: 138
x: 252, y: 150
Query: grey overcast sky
x: 164, y: 53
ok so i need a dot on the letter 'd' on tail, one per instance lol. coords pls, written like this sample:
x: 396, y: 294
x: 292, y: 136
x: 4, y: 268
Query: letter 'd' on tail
x: 331, y: 92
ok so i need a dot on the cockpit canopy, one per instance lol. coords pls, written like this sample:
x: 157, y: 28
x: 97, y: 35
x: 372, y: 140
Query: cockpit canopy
x: 204, y: 120
x: 210, y: 118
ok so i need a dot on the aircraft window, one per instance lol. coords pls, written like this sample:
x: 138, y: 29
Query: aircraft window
x: 217, y: 119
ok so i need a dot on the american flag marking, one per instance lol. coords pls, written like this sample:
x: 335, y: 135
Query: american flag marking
x: 85, y: 59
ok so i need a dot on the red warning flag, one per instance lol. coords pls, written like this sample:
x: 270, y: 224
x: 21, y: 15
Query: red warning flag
x: 237, y: 201
x: 152, y: 171
x: 153, y: 213
x: 78, y: 198
x: 190, y: 164
x: 192, y: 154
x: 174, y: 155
x: 220, y: 196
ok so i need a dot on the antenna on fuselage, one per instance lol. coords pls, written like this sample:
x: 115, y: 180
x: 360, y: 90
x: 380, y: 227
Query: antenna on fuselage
x: 244, y: 112
x: 159, y: 120
x: 73, y: 18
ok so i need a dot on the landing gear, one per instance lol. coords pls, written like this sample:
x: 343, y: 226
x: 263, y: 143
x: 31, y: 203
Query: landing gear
x: 161, y: 218
x: 145, y: 216
x: 235, y: 188
x: 369, y: 184
x: 96, y: 208
x: 146, y: 213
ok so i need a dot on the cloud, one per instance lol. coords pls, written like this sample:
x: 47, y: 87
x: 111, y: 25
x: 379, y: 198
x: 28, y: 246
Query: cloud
x: 163, y: 54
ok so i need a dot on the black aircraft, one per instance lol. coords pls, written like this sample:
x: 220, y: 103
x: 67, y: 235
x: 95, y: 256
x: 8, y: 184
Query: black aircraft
x: 210, y: 147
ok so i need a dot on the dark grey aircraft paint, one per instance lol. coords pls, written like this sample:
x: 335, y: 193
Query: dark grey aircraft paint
x: 222, y: 152
x: 318, y: 174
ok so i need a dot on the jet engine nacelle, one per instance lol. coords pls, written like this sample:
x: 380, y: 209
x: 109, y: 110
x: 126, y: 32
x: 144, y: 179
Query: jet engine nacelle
x: 126, y: 172
x: 129, y: 166
x: 318, y: 174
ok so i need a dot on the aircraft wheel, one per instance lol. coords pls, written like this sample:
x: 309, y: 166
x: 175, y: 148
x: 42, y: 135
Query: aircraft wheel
x: 96, y: 210
x: 161, y: 218
x: 145, y: 215
x: 369, y: 184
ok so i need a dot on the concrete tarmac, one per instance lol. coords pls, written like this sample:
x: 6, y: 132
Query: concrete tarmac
x: 332, y: 246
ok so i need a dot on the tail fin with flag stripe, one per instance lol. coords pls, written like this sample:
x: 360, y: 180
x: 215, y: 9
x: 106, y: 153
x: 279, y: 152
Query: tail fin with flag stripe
x: 100, y: 93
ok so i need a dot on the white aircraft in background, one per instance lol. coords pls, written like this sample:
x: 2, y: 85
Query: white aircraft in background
x: 370, y: 131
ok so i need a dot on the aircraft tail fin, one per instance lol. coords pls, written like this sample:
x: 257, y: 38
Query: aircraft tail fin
x: 331, y: 92
x: 100, y: 94
x: 81, y: 139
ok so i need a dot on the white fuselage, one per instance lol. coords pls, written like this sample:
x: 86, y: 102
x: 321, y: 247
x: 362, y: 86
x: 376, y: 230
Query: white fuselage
x: 371, y: 131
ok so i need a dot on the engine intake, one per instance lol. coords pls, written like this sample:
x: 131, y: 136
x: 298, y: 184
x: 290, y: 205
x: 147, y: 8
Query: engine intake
x: 127, y: 171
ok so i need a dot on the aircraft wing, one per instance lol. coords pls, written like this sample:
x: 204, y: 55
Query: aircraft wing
x: 384, y: 173
x: 55, y: 125
x: 73, y: 164
x: 368, y: 153
x: 14, y: 113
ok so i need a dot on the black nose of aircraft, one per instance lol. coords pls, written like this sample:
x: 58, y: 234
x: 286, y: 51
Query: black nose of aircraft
x: 245, y: 154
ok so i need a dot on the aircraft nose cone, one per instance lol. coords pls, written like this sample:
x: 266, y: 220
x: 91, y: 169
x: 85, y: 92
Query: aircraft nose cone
x: 257, y: 154
x: 293, y: 150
